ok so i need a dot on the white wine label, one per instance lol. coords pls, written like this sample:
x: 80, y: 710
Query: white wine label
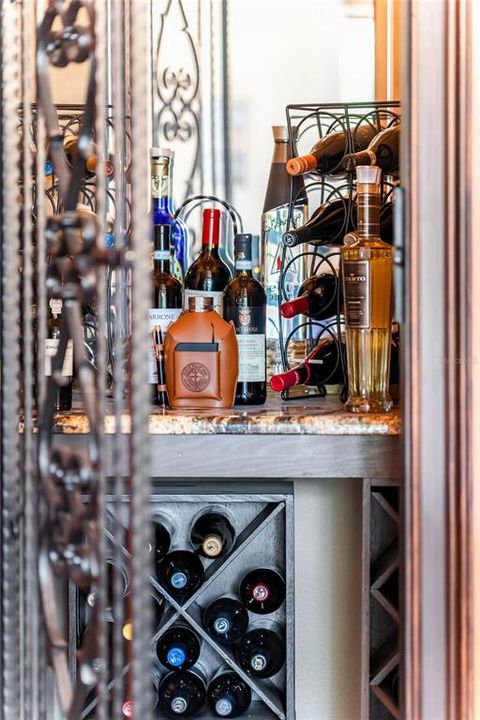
x: 162, y: 318
x: 217, y: 298
x: 356, y: 283
x: 251, y: 352
x: 161, y: 255
x: 56, y: 306
x: 51, y: 347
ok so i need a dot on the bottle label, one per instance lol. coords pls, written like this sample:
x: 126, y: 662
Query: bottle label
x: 162, y: 318
x: 56, y: 306
x: 243, y: 264
x: 51, y: 347
x: 217, y: 298
x: 161, y: 255
x: 249, y: 325
x: 356, y: 282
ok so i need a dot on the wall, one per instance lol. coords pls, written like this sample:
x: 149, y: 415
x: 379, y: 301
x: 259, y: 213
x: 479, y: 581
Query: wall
x: 328, y: 516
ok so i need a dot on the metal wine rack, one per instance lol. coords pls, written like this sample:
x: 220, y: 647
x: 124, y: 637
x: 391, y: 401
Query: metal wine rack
x: 70, y: 121
x: 306, y: 125
x: 264, y: 538
x: 381, y: 611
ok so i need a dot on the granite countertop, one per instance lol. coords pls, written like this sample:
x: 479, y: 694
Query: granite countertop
x: 316, y: 416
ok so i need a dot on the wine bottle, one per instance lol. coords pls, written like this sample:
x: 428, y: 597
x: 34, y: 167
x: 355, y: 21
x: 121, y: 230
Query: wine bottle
x: 367, y: 270
x: 162, y: 160
x: 157, y: 613
x: 261, y: 652
x: 316, y: 298
x: 327, y: 226
x: 112, y: 569
x: 275, y: 221
x: 332, y: 220
x: 262, y: 591
x: 212, y: 533
x: 226, y: 620
x: 63, y: 396
x: 323, y: 365
x: 178, y: 648
x: 383, y: 151
x: 208, y: 276
x: 180, y: 573
x: 228, y: 695
x: 327, y: 154
x: 244, y: 304
x: 128, y: 710
x: 182, y: 693
x: 163, y: 530
x: 70, y: 148
x: 166, y: 304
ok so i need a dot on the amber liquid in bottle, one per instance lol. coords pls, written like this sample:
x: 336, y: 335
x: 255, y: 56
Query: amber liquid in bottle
x: 367, y: 267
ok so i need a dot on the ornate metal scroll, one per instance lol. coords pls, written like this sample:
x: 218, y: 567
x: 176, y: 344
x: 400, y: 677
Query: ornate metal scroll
x: 176, y: 99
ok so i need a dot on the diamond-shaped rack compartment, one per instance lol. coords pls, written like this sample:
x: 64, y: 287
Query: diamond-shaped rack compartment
x: 381, y: 657
x: 264, y: 538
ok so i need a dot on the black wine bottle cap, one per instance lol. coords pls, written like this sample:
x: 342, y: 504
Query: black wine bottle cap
x: 243, y: 246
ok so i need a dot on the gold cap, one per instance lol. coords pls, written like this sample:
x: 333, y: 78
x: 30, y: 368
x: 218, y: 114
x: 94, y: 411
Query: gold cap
x: 212, y: 545
x: 280, y: 133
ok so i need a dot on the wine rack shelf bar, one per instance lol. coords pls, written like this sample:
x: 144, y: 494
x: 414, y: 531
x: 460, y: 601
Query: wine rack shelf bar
x: 380, y: 653
x: 264, y: 525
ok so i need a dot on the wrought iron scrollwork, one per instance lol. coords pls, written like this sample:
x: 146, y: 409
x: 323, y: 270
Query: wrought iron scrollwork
x: 176, y: 105
x: 71, y: 527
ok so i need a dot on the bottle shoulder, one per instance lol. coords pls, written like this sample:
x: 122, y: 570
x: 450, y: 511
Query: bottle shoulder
x: 245, y: 285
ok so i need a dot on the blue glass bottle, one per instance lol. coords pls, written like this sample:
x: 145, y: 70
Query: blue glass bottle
x: 162, y: 206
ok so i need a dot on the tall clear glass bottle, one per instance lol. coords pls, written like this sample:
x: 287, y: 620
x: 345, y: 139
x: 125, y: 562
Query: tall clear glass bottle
x: 274, y: 225
x: 367, y: 268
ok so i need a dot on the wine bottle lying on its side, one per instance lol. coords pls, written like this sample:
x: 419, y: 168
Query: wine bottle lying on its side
x: 228, y: 695
x: 332, y: 221
x: 226, y: 620
x: 182, y: 693
x: 383, y: 151
x: 178, y: 648
x: 180, y: 573
x: 262, y: 590
x: 261, y: 652
x: 212, y: 533
x: 327, y: 154
x: 317, y: 298
x: 323, y: 365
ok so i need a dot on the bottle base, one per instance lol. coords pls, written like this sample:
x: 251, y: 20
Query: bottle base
x: 362, y: 405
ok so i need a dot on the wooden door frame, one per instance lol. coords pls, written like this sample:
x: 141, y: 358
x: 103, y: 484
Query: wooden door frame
x: 441, y: 504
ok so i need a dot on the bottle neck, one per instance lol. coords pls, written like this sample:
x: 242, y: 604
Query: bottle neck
x: 243, y: 268
x: 280, y: 151
x: 161, y: 251
x: 368, y: 214
x: 161, y: 177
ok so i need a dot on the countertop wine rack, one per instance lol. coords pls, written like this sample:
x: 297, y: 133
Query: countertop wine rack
x: 70, y: 117
x: 306, y: 125
x: 264, y: 538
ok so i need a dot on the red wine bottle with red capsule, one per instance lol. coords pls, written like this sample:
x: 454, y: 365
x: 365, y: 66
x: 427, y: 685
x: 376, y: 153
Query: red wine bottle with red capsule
x: 262, y: 591
x: 208, y: 276
x: 317, y: 298
x: 323, y: 365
